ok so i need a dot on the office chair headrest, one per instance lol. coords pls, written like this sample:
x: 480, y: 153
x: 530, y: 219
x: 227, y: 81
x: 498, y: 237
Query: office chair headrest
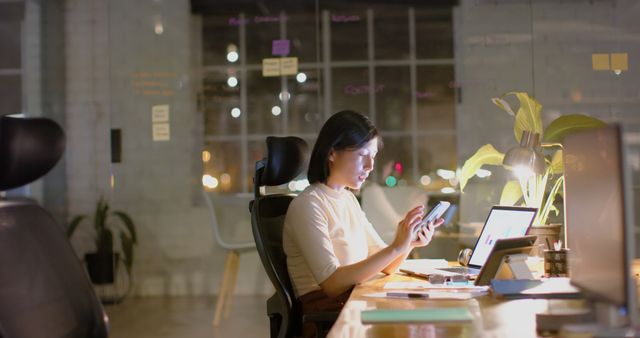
x: 286, y: 159
x: 29, y: 148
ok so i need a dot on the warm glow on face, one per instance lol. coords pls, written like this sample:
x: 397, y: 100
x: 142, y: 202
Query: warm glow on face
x: 350, y: 168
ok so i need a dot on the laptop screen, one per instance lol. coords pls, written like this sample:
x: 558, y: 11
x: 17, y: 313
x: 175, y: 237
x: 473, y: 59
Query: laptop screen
x: 503, y: 222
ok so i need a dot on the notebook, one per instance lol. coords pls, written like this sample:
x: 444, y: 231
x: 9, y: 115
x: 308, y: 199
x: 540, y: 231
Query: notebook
x: 502, y: 222
x: 431, y: 315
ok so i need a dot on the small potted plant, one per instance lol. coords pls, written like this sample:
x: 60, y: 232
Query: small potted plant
x: 535, y: 190
x: 101, y: 263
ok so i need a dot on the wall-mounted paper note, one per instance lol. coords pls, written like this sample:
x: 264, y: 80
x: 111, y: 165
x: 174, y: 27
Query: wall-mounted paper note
x: 619, y: 61
x: 271, y: 67
x: 289, y: 66
x: 161, y: 132
x: 600, y: 61
x: 160, y: 113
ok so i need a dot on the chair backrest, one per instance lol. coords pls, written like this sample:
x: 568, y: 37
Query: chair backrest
x: 29, y: 148
x: 286, y: 159
x: 44, y: 290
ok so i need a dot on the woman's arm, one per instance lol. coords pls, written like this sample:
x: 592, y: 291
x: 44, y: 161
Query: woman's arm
x: 393, y: 267
x: 346, y: 276
x: 424, y: 237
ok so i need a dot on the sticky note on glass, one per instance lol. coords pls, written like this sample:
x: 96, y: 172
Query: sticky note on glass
x: 271, y: 67
x: 600, y: 61
x: 289, y: 66
x: 160, y: 113
x: 619, y: 61
x: 280, y: 47
x: 161, y: 132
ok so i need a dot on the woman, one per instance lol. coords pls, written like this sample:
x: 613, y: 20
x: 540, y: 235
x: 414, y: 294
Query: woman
x: 329, y: 243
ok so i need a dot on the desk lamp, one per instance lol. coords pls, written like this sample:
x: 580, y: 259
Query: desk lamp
x: 527, y: 159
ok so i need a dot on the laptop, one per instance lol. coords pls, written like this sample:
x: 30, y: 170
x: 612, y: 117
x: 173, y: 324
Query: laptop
x: 502, y: 222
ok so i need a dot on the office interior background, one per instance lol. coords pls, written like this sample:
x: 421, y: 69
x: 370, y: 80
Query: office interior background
x: 423, y: 71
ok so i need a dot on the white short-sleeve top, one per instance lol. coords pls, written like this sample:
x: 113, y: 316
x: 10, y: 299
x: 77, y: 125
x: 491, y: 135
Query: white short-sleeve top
x: 324, y: 229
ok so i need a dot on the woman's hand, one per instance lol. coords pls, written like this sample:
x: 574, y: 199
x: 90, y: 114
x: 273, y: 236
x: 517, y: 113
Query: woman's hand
x: 405, y: 233
x: 425, y: 235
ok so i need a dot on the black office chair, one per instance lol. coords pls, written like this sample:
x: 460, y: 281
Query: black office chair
x: 286, y: 159
x: 44, y: 291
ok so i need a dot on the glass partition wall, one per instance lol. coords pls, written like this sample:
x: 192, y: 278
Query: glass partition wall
x: 162, y: 100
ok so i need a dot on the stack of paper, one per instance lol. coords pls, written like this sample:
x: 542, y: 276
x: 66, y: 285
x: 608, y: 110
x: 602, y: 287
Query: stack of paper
x: 414, y: 264
x: 424, y: 285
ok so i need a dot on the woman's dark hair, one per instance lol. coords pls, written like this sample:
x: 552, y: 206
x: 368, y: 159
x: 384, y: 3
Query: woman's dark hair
x: 344, y: 130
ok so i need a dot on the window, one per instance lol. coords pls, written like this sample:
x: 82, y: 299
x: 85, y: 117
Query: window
x: 391, y: 62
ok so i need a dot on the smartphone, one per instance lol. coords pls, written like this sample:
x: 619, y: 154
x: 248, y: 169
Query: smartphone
x: 436, y: 212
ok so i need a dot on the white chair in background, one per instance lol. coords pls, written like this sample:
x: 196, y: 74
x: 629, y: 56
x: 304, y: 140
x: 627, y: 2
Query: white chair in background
x: 230, y: 275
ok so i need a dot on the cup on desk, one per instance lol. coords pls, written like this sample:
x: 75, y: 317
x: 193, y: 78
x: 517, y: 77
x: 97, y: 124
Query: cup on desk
x: 555, y: 263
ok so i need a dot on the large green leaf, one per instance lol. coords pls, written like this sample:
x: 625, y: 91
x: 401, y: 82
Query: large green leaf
x: 127, y: 250
x: 128, y: 223
x: 503, y: 104
x: 100, y: 216
x: 487, y: 154
x: 567, y: 124
x: 548, y: 206
x: 511, y: 193
x: 528, y: 116
x: 556, y: 165
x: 74, y: 225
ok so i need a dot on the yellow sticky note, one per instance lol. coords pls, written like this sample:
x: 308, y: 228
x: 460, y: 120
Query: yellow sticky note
x: 619, y: 61
x: 271, y: 67
x: 600, y: 61
x: 289, y: 66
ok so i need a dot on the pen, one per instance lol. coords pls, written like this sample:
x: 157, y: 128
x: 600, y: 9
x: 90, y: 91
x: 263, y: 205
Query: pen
x: 410, y: 295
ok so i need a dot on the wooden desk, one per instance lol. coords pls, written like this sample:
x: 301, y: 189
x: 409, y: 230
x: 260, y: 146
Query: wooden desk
x: 492, y: 317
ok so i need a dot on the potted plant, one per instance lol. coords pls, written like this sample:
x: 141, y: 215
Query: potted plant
x: 101, y: 263
x: 537, y: 190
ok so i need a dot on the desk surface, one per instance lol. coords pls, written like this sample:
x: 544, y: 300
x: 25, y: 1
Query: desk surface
x: 492, y: 317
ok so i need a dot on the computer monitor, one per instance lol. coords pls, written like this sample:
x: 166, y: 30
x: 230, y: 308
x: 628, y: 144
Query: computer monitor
x: 599, y: 218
